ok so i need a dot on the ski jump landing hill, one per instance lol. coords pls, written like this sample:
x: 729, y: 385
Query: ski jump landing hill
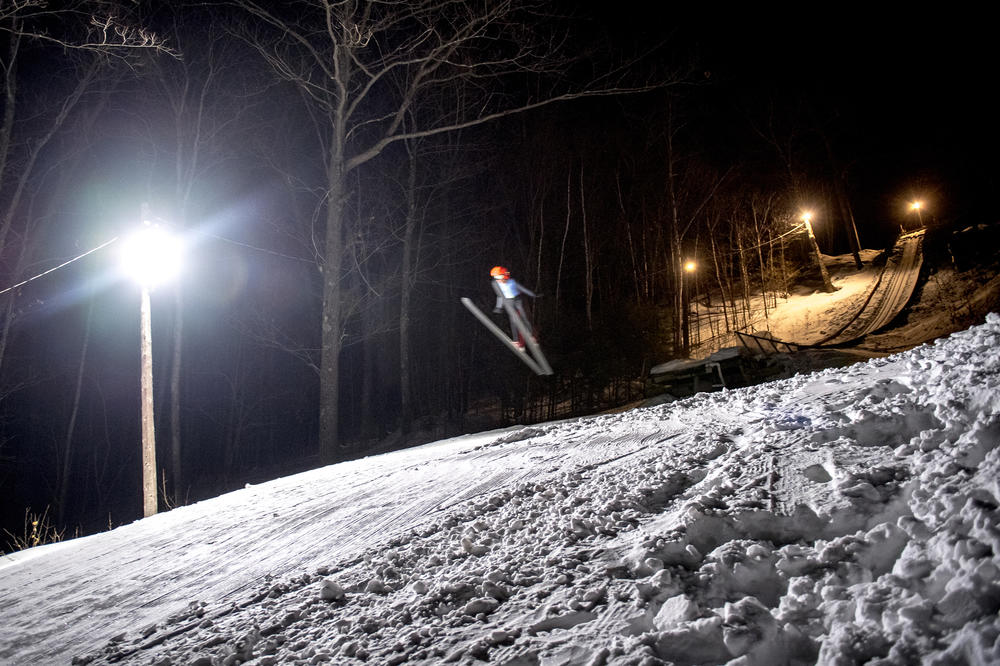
x: 866, y: 313
x: 890, y: 294
x: 885, y: 298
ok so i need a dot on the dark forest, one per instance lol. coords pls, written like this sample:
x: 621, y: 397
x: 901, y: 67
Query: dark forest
x: 341, y: 175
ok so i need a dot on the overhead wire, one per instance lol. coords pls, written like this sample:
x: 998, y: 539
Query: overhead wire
x: 55, y: 268
x: 261, y: 249
x: 770, y: 241
x: 107, y: 243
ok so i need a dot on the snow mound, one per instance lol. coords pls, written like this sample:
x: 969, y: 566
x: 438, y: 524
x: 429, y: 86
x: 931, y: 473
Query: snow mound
x: 848, y: 516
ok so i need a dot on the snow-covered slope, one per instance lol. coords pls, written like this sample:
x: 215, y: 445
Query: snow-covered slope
x: 849, y: 516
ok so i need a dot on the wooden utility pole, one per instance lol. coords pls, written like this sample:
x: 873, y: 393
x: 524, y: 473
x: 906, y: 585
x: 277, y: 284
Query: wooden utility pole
x: 827, y: 284
x: 149, y: 507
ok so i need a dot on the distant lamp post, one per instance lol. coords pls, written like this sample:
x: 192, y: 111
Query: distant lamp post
x: 918, y: 206
x: 827, y: 284
x: 690, y: 266
x: 151, y: 256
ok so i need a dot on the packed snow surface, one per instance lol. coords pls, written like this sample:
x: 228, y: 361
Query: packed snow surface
x: 844, y: 517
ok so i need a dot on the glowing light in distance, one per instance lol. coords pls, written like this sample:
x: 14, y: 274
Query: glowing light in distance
x: 916, y: 205
x: 151, y: 256
x: 690, y: 266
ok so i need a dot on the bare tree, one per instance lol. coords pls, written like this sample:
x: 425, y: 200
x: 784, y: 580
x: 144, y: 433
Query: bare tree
x: 103, y: 27
x: 435, y: 167
x: 76, y: 42
x: 348, y: 58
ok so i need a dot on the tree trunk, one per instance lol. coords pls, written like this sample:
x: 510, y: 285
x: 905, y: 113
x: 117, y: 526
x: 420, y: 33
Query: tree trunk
x: 562, y: 249
x: 588, y: 259
x: 8, y: 320
x: 823, y: 273
x: 681, y: 332
x: 850, y: 227
x: 722, y: 286
x: 406, y: 291
x: 631, y: 242
x: 175, y: 396
x: 71, y: 427
x: 541, y: 243
x: 745, y: 276
x: 369, y: 429
x: 331, y: 342
x: 843, y: 202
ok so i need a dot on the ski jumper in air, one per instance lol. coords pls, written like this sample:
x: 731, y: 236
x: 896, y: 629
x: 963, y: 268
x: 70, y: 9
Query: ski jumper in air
x: 522, y: 340
x: 509, y: 290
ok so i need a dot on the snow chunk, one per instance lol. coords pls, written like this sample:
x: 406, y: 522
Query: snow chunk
x: 674, y: 611
x: 480, y: 605
x: 331, y: 590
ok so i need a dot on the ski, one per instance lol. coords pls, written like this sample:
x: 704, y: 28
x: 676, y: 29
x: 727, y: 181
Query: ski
x: 529, y: 339
x: 541, y: 368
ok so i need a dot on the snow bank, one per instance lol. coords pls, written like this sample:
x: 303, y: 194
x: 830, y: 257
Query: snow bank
x: 844, y: 517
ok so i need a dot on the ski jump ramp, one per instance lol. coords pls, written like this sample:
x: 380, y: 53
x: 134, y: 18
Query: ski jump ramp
x: 891, y: 293
x: 885, y: 299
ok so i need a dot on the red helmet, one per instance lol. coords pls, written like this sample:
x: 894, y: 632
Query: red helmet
x: 499, y: 273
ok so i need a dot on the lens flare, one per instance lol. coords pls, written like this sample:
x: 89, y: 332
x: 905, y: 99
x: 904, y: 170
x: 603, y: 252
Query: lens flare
x: 151, y: 256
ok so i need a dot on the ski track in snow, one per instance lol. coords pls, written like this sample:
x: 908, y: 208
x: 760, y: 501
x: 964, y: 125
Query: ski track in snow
x: 847, y: 516
x: 891, y: 293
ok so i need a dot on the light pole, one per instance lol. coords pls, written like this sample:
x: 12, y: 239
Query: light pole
x: 689, y: 267
x: 918, y: 206
x: 827, y: 284
x: 150, y: 256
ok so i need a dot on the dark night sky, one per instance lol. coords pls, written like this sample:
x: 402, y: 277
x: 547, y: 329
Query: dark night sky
x: 906, y: 92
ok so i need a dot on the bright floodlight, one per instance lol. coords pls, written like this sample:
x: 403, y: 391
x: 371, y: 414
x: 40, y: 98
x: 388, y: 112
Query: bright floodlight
x: 151, y: 255
x: 807, y: 217
x: 690, y: 266
x: 917, y: 205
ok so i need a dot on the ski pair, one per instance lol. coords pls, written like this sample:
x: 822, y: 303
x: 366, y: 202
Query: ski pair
x: 532, y: 354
